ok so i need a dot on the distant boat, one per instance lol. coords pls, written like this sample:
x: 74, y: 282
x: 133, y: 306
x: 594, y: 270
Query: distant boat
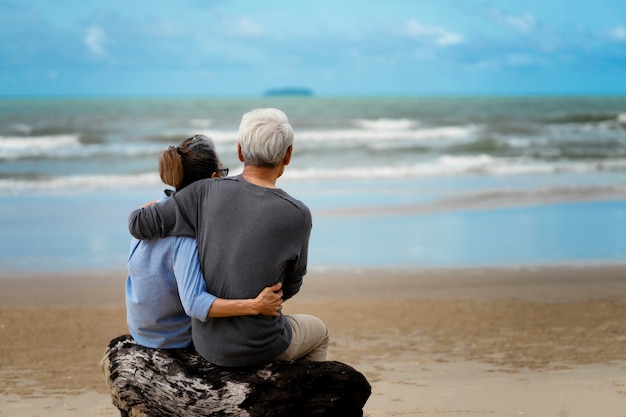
x: 289, y: 91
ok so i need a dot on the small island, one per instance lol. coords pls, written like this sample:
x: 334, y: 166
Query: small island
x: 288, y: 91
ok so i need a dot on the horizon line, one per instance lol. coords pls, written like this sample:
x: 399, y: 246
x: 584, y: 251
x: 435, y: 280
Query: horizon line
x: 314, y: 96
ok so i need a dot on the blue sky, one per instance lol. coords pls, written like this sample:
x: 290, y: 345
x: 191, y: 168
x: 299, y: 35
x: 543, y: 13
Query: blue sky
x: 334, y: 47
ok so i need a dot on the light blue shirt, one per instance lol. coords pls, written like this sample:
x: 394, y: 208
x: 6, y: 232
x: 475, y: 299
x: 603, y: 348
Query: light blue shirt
x: 164, y: 288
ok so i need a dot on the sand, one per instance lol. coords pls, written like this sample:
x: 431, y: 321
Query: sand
x: 547, y: 341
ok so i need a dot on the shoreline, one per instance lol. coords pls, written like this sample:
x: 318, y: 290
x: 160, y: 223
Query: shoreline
x: 398, y: 225
x: 451, y: 341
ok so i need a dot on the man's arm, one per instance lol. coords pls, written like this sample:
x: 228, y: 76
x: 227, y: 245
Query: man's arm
x: 268, y: 303
x: 175, y: 216
x: 297, y: 269
x: 201, y: 305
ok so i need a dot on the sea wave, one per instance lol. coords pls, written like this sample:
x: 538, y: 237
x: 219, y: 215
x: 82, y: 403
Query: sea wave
x: 72, y: 145
x: 386, y: 124
x: 583, y: 118
x: 201, y: 123
x: 370, y: 133
x: 356, y: 136
x: 22, y: 128
x: 445, y: 165
x: 77, y: 183
x: 450, y: 165
x: 399, y: 135
x: 16, y: 147
x: 69, y: 146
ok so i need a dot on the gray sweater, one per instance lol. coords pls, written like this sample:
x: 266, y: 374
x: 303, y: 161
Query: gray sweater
x: 249, y: 237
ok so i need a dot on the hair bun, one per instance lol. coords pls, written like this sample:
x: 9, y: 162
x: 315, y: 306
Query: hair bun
x: 175, y: 148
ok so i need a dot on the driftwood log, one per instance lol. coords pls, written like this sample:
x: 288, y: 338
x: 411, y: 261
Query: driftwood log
x: 178, y: 382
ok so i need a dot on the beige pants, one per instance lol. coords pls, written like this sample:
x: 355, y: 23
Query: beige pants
x: 309, y: 339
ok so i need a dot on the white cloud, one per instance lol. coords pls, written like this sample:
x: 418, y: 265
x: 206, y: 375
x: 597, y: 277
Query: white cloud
x: 487, y: 64
x: 521, y: 60
x: 619, y: 33
x: 517, y: 60
x: 523, y: 23
x: 439, y: 35
x: 511, y: 60
x: 167, y: 29
x: 95, y: 39
x: 449, y: 39
x: 245, y: 27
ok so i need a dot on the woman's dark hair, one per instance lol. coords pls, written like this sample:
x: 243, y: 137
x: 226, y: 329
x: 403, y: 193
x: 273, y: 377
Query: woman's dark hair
x: 194, y: 159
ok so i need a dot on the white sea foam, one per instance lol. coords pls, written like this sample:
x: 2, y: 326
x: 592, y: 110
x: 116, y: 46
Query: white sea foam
x: 77, y: 183
x: 465, y: 162
x: 14, y: 147
x: 439, y: 167
x: 69, y: 146
x: 456, y: 166
x: 22, y: 128
x: 201, y: 123
x: 370, y: 135
x: 518, y: 143
x: 358, y: 136
x: 386, y: 124
x: 220, y: 136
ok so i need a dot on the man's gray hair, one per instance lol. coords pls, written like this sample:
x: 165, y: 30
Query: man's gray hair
x: 264, y: 135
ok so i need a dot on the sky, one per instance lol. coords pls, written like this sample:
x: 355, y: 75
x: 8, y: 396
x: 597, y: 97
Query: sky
x: 332, y: 47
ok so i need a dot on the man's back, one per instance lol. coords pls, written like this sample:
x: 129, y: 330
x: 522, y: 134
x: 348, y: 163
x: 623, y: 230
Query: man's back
x: 249, y: 237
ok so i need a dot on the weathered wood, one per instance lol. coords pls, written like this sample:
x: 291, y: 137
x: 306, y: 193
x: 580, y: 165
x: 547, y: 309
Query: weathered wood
x: 148, y: 382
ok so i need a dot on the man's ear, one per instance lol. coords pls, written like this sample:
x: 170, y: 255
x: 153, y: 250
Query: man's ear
x: 287, y: 157
x: 239, y: 153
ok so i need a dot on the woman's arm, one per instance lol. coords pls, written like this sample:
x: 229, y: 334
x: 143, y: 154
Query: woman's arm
x: 171, y: 217
x: 201, y: 305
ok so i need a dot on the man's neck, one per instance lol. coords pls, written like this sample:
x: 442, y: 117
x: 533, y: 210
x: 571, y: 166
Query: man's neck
x: 261, y: 176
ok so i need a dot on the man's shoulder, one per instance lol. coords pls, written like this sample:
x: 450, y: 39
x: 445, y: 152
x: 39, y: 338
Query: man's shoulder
x: 294, y: 202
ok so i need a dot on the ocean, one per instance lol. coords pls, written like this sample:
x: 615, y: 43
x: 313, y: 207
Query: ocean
x: 391, y: 182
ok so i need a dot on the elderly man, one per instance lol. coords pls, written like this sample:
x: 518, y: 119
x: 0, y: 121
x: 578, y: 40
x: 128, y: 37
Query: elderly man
x: 250, y: 235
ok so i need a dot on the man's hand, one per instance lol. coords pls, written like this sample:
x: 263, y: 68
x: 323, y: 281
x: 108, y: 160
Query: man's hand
x: 269, y: 302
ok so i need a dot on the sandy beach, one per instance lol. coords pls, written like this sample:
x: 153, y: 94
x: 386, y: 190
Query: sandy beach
x: 547, y: 341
